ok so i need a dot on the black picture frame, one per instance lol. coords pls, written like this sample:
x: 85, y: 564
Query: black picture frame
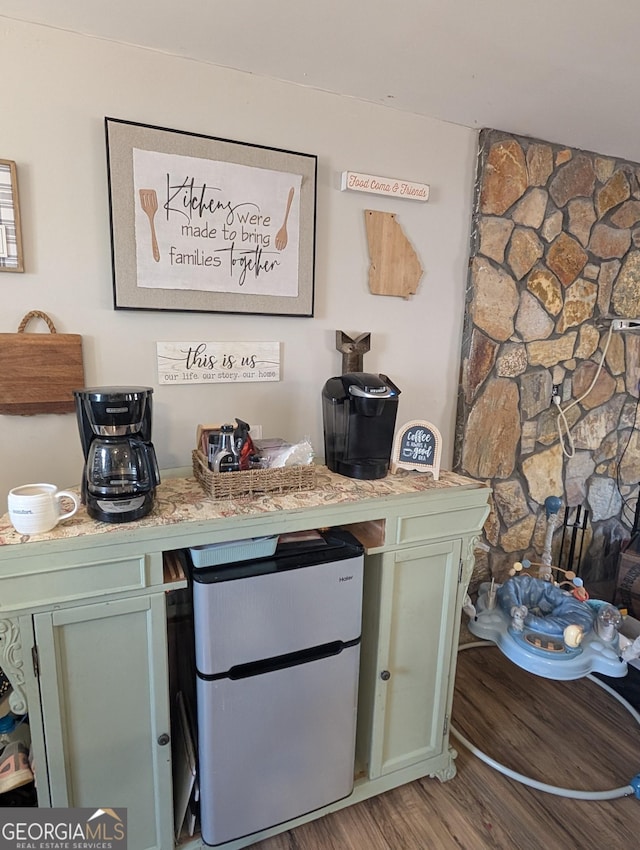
x: 220, y: 188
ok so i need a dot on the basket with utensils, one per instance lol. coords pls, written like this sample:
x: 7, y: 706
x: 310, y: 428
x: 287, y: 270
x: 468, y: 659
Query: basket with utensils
x: 252, y: 482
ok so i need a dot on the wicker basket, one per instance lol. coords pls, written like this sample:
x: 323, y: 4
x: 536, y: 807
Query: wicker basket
x: 251, y: 482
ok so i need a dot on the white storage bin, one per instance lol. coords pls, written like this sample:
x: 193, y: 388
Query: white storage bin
x: 238, y: 550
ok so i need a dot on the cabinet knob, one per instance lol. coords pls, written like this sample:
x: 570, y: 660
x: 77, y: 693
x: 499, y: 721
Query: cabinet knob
x: 163, y: 739
x: 385, y: 675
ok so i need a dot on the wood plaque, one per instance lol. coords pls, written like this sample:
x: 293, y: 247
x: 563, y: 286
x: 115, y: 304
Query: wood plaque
x: 39, y: 371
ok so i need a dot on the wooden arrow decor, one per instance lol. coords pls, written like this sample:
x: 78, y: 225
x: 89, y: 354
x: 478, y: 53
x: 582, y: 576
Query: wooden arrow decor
x: 353, y: 350
x: 395, y: 268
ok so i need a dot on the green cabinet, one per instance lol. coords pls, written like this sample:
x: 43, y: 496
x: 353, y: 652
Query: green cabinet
x: 407, y: 646
x: 83, y: 636
x: 105, y: 711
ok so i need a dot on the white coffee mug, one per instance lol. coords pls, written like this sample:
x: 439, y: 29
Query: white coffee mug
x: 34, y: 508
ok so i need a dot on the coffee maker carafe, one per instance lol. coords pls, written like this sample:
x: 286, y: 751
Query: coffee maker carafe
x: 359, y: 412
x: 120, y: 471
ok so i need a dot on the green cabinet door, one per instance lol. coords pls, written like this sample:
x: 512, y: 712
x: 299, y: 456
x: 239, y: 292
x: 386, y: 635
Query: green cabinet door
x: 104, y: 698
x: 417, y: 592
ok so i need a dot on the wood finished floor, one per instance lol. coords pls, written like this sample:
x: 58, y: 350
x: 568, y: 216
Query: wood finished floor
x: 571, y: 734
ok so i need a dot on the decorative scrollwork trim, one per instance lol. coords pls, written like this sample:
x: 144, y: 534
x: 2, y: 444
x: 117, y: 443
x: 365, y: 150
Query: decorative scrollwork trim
x: 449, y: 770
x: 12, y: 663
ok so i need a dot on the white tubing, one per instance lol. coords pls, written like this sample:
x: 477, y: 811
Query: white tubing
x: 615, y: 793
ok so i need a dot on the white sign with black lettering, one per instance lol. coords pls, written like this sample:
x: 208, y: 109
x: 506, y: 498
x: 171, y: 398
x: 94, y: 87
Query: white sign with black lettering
x: 217, y: 362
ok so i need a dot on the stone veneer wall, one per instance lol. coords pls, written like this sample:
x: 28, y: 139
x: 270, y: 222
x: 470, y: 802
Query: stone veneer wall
x: 555, y: 251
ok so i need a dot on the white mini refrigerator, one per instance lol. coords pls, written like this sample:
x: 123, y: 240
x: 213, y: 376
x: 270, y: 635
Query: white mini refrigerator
x: 277, y: 646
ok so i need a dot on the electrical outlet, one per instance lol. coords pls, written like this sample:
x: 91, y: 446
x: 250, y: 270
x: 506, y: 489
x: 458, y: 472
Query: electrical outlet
x: 556, y: 391
x: 625, y: 325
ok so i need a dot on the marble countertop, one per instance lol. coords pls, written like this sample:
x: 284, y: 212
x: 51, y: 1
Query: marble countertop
x: 183, y: 500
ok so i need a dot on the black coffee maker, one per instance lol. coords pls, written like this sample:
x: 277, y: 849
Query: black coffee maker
x: 120, y: 471
x: 359, y: 414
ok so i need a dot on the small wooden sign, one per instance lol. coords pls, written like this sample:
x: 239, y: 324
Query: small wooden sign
x: 395, y: 268
x: 217, y: 362
x: 417, y: 445
x: 392, y: 187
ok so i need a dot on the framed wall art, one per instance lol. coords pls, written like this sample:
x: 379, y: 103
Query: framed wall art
x: 205, y: 224
x: 11, y: 259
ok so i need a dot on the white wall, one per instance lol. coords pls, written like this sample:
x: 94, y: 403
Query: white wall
x: 58, y: 89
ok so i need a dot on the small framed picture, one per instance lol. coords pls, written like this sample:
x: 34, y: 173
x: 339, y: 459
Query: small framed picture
x: 11, y: 259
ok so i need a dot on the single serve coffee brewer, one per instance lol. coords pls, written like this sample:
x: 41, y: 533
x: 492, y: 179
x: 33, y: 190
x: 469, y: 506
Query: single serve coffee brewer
x: 359, y: 416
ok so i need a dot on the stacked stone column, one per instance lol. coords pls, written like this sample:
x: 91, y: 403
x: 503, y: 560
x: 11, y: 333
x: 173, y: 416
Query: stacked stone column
x: 555, y: 253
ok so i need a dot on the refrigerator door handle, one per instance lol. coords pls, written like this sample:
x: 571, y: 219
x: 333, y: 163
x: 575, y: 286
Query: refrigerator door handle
x: 280, y: 662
